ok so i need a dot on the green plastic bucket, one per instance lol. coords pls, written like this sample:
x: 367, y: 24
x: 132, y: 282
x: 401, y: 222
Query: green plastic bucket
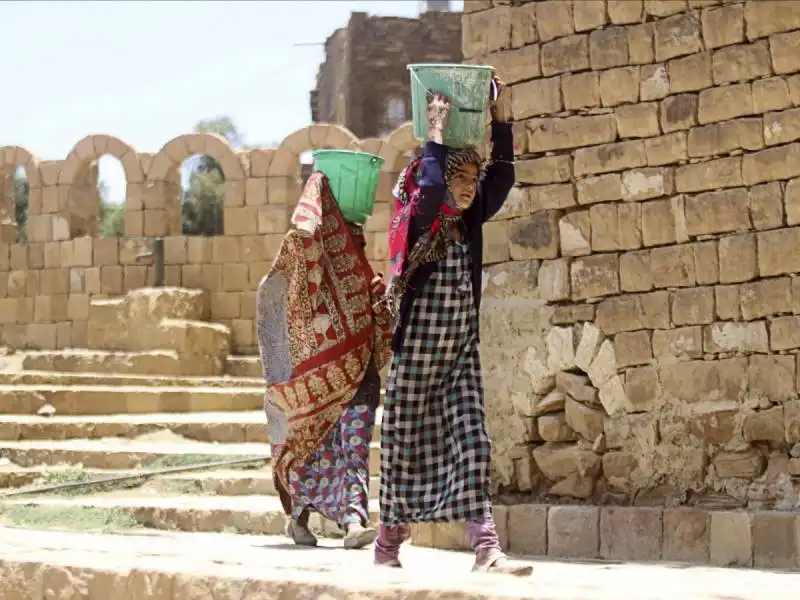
x: 353, y: 177
x: 467, y: 87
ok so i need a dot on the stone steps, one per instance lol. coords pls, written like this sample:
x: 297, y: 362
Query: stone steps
x: 111, y: 399
x: 258, y: 515
x: 244, y: 366
x: 221, y: 482
x: 116, y: 453
x: 116, y: 379
x: 139, y: 362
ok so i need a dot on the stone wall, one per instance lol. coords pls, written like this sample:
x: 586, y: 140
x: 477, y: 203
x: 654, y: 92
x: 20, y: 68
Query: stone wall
x: 363, y: 83
x: 642, y: 322
x: 46, y: 283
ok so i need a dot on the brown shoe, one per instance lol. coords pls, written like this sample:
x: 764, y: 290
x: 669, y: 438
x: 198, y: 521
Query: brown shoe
x: 358, y: 536
x: 503, y: 566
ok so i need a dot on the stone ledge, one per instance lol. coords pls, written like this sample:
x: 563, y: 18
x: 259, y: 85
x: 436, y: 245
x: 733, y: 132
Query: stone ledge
x: 761, y: 539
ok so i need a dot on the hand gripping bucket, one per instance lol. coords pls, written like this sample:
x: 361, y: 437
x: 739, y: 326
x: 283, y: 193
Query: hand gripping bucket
x: 353, y: 177
x: 467, y: 87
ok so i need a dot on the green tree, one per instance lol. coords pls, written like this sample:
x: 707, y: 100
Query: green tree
x: 21, y: 190
x: 201, y: 204
x: 112, y: 216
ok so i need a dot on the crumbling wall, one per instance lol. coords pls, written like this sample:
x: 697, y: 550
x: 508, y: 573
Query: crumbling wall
x: 642, y: 323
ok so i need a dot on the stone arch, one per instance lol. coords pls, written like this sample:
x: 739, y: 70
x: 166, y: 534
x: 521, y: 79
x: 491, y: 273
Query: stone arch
x: 285, y: 161
x: 402, y: 139
x: 169, y: 159
x: 12, y: 157
x: 93, y: 147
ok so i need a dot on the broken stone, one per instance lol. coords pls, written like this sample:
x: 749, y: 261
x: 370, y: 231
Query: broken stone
x: 765, y: 426
x: 560, y: 349
x: 599, y: 446
x: 604, y: 365
x: 578, y: 387
x: 613, y: 397
x: 552, y: 402
x: 745, y: 465
x: 554, y: 428
x: 542, y: 380
x: 586, y: 421
x: 591, y: 338
x: 558, y: 461
x: 574, y: 486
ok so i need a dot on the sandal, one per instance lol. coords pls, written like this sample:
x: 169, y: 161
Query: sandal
x: 301, y: 535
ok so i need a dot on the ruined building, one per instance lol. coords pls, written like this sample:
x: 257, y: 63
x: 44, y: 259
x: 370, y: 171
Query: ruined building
x: 363, y: 83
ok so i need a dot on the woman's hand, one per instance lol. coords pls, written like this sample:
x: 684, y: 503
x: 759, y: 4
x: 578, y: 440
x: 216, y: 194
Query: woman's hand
x: 497, y: 104
x: 378, y: 286
x: 438, y: 114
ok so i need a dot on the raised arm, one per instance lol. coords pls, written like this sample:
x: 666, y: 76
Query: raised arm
x: 495, y: 185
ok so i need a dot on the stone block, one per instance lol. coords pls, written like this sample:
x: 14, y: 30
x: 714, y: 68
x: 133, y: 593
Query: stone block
x: 581, y: 90
x: 635, y: 273
x: 771, y: 164
x: 633, y: 348
x: 553, y: 196
x: 697, y: 381
x: 486, y: 31
x: 608, y: 48
x: 687, y: 533
x: 736, y: 337
x: 673, y: 266
x: 628, y: 533
x: 764, y: 426
x: 523, y: 25
x: 772, y: 377
x: 775, y: 540
x: 570, y: 132
x: 785, y: 333
x: 610, y: 157
x: 554, y: 280
x: 765, y: 298
x: 690, y: 73
x: 619, y: 86
x: 574, y: 230
x: 770, y: 16
x: 658, y: 226
x: 554, y: 20
x: 601, y: 188
x: 727, y: 302
x: 640, y: 44
x: 782, y: 127
x: 771, y: 94
x: 680, y: 344
x: 731, y: 539
x: 678, y: 112
x: 565, y: 55
x: 706, y: 262
x: 623, y: 12
x: 725, y: 103
x: 595, y: 276
x: 573, y: 532
x: 605, y: 227
x: 766, y: 209
x: 741, y: 63
x: 535, y: 236
x: 537, y: 97
x: 541, y: 171
x: 638, y: 120
x: 785, y: 51
x: 737, y: 258
x: 654, y: 82
x: 723, y: 26
x: 527, y: 527
x: 678, y: 35
x: 748, y: 464
x: 776, y: 252
x: 710, y: 175
x: 718, y: 212
x: 630, y: 228
x: 666, y: 149
x: 725, y: 138
x: 693, y: 306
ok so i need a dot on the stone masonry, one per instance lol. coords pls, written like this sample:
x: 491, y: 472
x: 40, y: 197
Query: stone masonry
x: 642, y: 322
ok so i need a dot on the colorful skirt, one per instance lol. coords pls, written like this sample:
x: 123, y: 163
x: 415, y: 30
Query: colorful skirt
x: 435, y: 451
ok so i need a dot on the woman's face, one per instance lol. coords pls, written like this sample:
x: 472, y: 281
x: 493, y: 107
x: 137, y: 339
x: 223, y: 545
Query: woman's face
x: 462, y: 185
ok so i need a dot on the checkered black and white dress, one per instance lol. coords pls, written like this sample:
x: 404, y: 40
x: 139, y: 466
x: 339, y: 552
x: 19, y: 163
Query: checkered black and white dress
x: 435, y: 452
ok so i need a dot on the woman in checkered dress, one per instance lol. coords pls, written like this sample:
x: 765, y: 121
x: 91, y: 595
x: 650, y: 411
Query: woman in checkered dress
x: 435, y: 452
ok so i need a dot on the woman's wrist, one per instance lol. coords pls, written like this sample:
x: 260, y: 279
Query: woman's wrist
x: 435, y: 134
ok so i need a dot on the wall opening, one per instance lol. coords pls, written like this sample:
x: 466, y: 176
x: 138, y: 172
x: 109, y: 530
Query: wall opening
x: 111, y: 190
x: 306, y: 161
x: 19, y: 191
x: 202, y: 196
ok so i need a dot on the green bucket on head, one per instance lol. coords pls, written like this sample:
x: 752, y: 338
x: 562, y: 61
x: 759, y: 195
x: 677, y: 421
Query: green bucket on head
x: 466, y: 86
x: 353, y: 177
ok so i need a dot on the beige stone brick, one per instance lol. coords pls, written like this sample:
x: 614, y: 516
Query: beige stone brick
x: 633, y: 347
x: 724, y: 103
x: 565, y: 55
x: 575, y: 232
x: 664, y: 8
x: 771, y: 164
x: 710, y: 175
x: 784, y: 333
x: 766, y: 208
x: 632, y: 312
x: 741, y: 62
x: 723, y: 138
x: 785, y: 50
x: 624, y: 12
x: 793, y: 83
x: 554, y: 19
x: 605, y: 227
x: 628, y: 533
x: 608, y: 48
x: 765, y: 298
x: 516, y: 65
x: 495, y: 244
x: 690, y: 73
x: 737, y: 258
x: 595, y: 276
x: 681, y: 344
x: 527, y: 527
x: 630, y: 226
x: 637, y: 120
x: 581, y: 90
x: 573, y: 531
x: 727, y: 302
x: 693, y: 306
x: 553, y: 282
x: 540, y: 171
x: 791, y: 199
x: 666, y: 149
x: 718, y: 212
x: 589, y: 15
x: 723, y: 26
x: 537, y: 97
x: 766, y: 17
x: 556, y: 195
x: 687, y: 533
x: 486, y: 31
x: 241, y: 220
x: 225, y: 306
x: 647, y: 183
x: 678, y: 112
x: 654, y: 82
x: 570, y: 132
x: 111, y: 280
x: 736, y: 337
x: 635, y: 273
x: 523, y: 25
x: 225, y: 249
x: 770, y: 94
x: 609, y: 157
x: 641, y: 44
x: 782, y: 127
x: 776, y: 538
x: 601, y: 188
x: 777, y: 253
x: 673, y: 266
x: 619, y: 86
x: 255, y: 191
x: 535, y: 236
x: 772, y: 376
x: 706, y: 262
x: 658, y: 226
x: 677, y: 36
x: 731, y: 539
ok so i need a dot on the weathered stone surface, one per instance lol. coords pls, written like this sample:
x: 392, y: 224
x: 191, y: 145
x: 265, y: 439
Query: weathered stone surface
x: 687, y: 534
x: 745, y: 465
x: 573, y: 531
x: 630, y: 533
x: 588, y: 421
x: 775, y: 540
x: 595, y: 276
x: 528, y: 522
x: 554, y: 428
x: 764, y: 426
x: 558, y: 461
x: 731, y: 539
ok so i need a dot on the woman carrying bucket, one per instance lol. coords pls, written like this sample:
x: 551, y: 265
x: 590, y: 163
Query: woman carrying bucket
x: 435, y: 452
x: 323, y: 342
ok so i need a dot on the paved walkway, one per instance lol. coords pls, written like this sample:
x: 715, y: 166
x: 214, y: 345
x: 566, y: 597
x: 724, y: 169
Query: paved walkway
x: 181, y: 566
